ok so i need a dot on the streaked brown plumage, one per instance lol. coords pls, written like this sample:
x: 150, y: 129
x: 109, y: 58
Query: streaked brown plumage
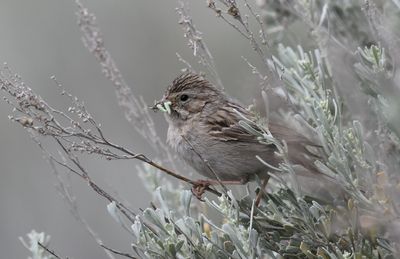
x: 204, y: 130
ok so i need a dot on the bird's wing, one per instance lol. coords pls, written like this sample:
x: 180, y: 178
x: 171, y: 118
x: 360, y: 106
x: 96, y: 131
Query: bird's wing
x: 288, y: 134
x: 225, y: 125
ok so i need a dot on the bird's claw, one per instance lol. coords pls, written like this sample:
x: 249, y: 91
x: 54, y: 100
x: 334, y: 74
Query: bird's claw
x: 199, y: 188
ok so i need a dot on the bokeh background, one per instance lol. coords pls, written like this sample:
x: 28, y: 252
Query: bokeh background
x: 39, y: 39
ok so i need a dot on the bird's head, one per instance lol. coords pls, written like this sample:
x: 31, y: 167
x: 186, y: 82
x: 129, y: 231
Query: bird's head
x: 187, y: 96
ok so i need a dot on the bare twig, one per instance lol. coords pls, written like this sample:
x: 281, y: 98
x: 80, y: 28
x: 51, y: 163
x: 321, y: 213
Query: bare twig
x: 218, y: 12
x: 234, y: 11
x: 187, y: 64
x: 118, y: 252
x: 74, y: 131
x: 257, y: 17
x: 206, y: 163
x: 80, y: 134
x: 197, y: 43
x: 135, y: 109
x: 49, y: 251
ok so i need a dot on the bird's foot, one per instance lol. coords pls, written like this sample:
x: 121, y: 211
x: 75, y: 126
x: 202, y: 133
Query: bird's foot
x: 261, y: 192
x: 199, y: 187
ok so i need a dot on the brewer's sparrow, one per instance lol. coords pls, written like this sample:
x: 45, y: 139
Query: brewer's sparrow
x: 204, y: 130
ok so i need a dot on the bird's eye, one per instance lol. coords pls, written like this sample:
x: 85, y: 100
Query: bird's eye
x: 184, y: 97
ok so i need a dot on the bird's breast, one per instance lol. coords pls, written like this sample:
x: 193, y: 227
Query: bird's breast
x: 174, y: 137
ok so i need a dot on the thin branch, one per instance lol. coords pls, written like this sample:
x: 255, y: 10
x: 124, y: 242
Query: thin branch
x: 134, y: 108
x: 206, y: 163
x: 118, y: 252
x: 257, y: 17
x: 49, y: 251
x: 197, y: 43
x: 187, y: 64
x: 41, y: 118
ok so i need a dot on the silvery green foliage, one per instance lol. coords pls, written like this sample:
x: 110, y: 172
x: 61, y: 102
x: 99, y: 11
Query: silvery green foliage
x: 310, y: 86
x: 342, y: 86
x: 361, y: 156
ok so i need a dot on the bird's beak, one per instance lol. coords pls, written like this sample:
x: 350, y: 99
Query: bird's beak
x: 163, y: 105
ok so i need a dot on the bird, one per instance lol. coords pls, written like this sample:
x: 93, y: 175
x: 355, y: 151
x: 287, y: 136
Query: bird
x: 204, y: 130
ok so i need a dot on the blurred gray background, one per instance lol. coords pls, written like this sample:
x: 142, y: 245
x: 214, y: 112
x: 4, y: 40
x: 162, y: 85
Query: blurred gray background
x: 39, y: 39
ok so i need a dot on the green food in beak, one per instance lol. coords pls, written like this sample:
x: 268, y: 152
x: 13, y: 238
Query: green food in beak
x: 164, y: 107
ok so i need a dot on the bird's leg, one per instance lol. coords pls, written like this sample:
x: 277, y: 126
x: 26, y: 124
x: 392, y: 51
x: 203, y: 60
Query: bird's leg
x: 200, y: 186
x: 261, y: 192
